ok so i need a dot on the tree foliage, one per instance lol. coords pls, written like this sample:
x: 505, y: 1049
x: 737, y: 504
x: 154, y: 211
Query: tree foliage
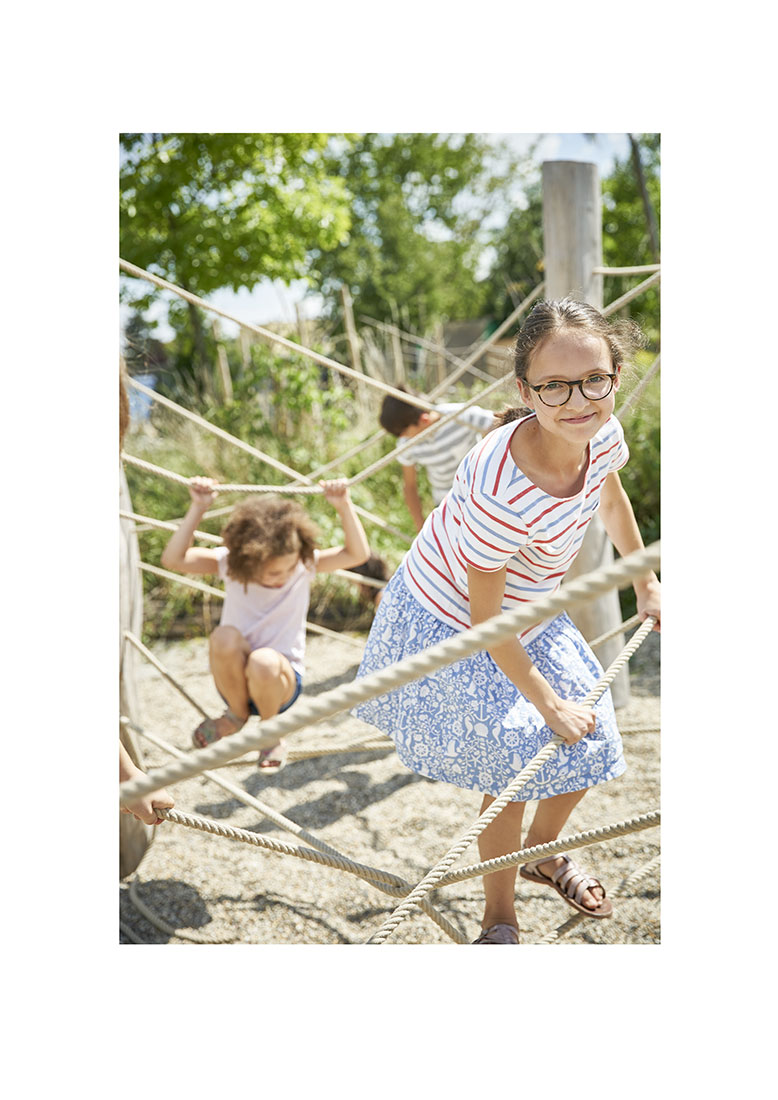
x: 626, y: 239
x: 208, y: 211
x: 418, y: 202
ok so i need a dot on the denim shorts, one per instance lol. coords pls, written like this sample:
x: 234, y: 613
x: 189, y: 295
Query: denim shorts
x: 286, y: 706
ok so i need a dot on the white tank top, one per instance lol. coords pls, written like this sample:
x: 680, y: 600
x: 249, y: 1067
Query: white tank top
x: 272, y: 618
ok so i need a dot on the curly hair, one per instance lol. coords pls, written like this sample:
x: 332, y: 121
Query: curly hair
x: 263, y: 528
x: 548, y: 317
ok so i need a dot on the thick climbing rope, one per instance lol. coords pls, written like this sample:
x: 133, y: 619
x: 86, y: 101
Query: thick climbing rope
x: 138, y: 644
x: 652, y: 280
x: 431, y: 879
x: 395, y: 885
x: 381, y: 880
x: 370, y: 743
x: 648, y: 820
x: 306, y: 711
x: 626, y: 625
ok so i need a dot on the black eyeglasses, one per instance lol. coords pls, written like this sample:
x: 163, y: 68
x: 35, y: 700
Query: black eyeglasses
x: 594, y: 388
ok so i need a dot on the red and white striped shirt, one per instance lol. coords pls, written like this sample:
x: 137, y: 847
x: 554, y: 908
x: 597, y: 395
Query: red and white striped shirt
x: 495, y: 516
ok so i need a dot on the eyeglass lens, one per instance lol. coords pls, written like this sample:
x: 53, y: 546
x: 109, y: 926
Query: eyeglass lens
x: 595, y: 388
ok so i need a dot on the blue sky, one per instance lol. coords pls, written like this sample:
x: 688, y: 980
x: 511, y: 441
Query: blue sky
x: 275, y: 301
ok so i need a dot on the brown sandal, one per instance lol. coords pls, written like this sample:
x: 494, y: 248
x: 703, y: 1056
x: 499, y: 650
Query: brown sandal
x: 570, y: 882
x: 499, y: 933
x: 206, y: 734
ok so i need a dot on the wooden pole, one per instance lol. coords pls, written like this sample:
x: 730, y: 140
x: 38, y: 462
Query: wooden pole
x: 351, y: 328
x: 225, y: 377
x: 134, y: 836
x: 572, y: 232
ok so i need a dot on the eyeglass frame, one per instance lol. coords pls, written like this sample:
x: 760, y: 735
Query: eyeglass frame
x: 574, y: 382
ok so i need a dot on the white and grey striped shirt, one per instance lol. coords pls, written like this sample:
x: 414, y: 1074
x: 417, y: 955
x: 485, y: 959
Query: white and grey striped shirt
x: 441, y: 454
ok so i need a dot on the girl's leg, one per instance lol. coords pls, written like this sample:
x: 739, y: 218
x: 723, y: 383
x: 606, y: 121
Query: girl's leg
x: 228, y: 652
x: 271, y: 683
x: 550, y: 818
x: 501, y: 836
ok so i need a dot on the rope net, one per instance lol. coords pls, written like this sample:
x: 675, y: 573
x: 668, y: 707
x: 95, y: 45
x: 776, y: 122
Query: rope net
x: 310, y: 711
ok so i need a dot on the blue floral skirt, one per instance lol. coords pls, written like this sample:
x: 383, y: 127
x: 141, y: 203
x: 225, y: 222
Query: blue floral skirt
x: 468, y: 724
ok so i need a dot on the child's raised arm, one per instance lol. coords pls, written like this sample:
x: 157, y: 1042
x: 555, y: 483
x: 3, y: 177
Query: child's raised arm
x: 355, y: 550
x: 179, y: 554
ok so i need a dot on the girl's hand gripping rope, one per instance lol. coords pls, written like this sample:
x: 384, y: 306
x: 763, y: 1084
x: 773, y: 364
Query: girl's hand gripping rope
x: 202, y: 491
x: 336, y: 492
x: 571, y: 721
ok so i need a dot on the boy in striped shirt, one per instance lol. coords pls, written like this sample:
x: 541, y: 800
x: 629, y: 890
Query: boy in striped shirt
x: 440, y: 453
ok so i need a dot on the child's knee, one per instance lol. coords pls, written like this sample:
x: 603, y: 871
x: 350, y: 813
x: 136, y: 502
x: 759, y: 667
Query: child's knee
x: 226, y: 640
x: 264, y: 665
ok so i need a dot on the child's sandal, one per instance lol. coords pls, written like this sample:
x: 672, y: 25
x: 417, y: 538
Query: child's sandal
x: 570, y: 882
x: 272, y: 760
x: 206, y: 733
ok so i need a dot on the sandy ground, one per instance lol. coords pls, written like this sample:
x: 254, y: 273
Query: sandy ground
x: 197, y: 887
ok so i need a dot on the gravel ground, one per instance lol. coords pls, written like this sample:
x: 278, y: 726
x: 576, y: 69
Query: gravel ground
x: 196, y: 887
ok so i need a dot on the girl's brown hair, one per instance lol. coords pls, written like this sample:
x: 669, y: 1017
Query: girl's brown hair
x: 263, y: 528
x: 551, y: 316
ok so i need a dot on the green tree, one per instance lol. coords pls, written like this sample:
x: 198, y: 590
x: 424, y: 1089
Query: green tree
x: 207, y: 211
x: 517, y: 267
x: 627, y: 230
x: 418, y: 205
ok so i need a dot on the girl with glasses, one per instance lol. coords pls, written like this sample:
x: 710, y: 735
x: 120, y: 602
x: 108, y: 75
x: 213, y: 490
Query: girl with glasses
x: 505, y: 535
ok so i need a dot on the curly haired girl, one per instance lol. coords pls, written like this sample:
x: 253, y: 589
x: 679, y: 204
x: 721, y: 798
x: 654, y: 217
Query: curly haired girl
x: 267, y: 563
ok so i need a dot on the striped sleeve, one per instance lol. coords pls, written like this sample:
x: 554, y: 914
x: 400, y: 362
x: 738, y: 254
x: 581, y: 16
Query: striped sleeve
x: 407, y: 457
x: 616, y: 446
x: 490, y: 532
x: 478, y: 418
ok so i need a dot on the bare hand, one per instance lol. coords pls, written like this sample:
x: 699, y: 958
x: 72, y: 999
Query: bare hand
x: 571, y: 721
x: 144, y: 808
x: 202, y: 491
x: 649, y: 602
x: 336, y: 492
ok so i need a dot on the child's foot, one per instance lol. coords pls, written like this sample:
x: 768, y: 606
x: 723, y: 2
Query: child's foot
x: 499, y: 933
x: 213, y: 729
x: 273, y: 759
x: 582, y: 891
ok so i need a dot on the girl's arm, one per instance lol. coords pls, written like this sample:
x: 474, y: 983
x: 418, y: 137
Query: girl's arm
x: 355, y: 550
x: 179, y: 554
x: 569, y: 719
x: 621, y: 526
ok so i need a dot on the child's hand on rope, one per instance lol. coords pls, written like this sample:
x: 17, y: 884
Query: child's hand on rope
x: 649, y: 601
x: 571, y: 721
x: 336, y: 492
x: 144, y: 809
x: 202, y: 491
